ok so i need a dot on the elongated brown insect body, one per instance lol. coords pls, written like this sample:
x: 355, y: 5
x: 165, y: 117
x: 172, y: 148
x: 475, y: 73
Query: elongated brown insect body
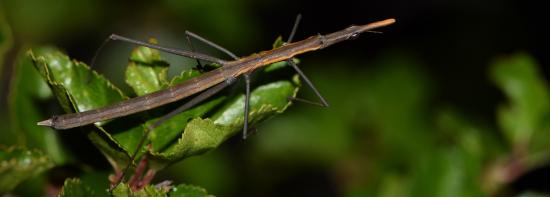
x: 229, y: 69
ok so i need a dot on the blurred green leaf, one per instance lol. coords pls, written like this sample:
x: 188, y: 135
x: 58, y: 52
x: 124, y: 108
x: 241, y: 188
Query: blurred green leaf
x: 6, y: 41
x: 279, y: 42
x: 75, y: 188
x: 210, y: 170
x: 394, y: 185
x: 18, y: 164
x: 523, y: 119
x: 97, y: 181
x: 445, y: 173
x: 188, y: 191
x: 226, y: 14
x: 35, y: 19
x: 26, y: 92
x: 533, y: 194
x: 474, y: 139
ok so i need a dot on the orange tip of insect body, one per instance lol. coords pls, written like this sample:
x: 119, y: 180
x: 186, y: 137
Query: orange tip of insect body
x: 383, y: 22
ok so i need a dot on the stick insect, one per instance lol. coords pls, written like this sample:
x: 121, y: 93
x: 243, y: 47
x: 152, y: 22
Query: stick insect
x: 210, y: 82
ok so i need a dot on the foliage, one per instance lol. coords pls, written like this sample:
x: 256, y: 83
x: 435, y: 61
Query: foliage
x: 18, y: 164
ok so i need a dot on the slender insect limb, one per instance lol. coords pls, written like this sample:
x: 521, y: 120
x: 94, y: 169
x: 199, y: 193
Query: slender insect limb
x: 212, y: 44
x: 294, y: 28
x: 323, y: 102
x: 92, y: 63
x: 306, y: 101
x: 246, y: 104
x: 181, y: 52
x: 199, y: 65
x: 96, y: 53
x: 199, y: 98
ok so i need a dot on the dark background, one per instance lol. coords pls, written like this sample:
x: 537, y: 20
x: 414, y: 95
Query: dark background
x: 386, y: 90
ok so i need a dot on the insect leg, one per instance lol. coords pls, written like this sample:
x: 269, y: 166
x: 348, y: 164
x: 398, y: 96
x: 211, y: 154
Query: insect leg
x: 212, y: 44
x: 294, y: 28
x: 323, y: 102
x: 181, y: 52
x: 199, y: 65
x: 246, y: 105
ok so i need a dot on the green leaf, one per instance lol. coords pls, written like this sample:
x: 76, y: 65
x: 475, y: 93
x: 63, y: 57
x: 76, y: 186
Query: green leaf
x: 468, y: 135
x: 18, y: 164
x: 279, y: 65
x: 266, y: 100
x: 79, y: 89
x: 149, y: 190
x: 172, y: 129
x: 124, y: 190
x: 445, y: 173
x: 84, y: 89
x: 188, y: 191
x: 202, y: 135
x: 184, y: 76
x: 27, y: 91
x: 278, y: 42
x: 74, y: 187
x: 97, y: 181
x: 6, y: 42
x: 519, y: 78
x: 146, y: 72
